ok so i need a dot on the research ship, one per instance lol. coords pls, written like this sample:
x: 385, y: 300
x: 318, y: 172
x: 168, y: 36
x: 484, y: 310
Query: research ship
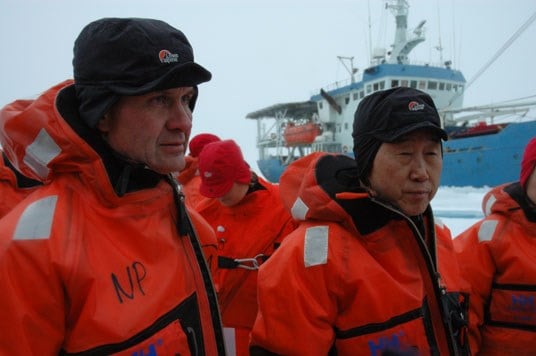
x: 485, y: 145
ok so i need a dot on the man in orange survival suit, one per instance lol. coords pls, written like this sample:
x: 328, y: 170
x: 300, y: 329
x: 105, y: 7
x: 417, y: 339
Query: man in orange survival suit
x: 189, y: 177
x: 250, y: 221
x: 498, y: 257
x: 368, y: 271
x: 104, y: 258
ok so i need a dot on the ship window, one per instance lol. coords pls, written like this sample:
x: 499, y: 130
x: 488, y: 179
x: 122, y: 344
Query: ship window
x: 382, y: 85
x: 376, y: 86
x: 347, y: 100
x: 455, y: 87
x: 369, y: 88
x: 355, y: 96
x: 404, y: 83
x: 413, y: 84
x: 441, y: 86
x: 394, y: 83
x: 432, y: 85
x: 449, y: 87
x: 361, y: 94
x: 422, y: 84
x: 346, y: 126
x: 320, y: 105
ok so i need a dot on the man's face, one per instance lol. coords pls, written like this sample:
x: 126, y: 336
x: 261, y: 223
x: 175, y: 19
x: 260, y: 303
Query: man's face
x: 235, y: 195
x: 406, y: 173
x: 152, y: 128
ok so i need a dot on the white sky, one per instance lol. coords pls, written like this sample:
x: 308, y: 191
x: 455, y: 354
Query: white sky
x: 266, y: 52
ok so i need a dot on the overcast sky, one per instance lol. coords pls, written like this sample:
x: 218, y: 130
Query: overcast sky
x: 266, y: 52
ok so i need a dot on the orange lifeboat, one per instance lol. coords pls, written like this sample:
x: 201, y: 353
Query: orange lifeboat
x: 301, y: 134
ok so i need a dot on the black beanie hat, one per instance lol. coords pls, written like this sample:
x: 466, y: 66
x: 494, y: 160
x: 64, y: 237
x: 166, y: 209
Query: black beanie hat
x: 385, y: 116
x: 114, y: 57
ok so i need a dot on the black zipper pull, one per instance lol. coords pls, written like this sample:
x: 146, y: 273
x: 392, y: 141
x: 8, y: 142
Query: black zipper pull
x: 178, y: 195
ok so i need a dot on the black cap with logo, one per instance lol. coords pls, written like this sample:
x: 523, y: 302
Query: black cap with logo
x: 391, y: 113
x: 387, y: 115
x: 130, y: 56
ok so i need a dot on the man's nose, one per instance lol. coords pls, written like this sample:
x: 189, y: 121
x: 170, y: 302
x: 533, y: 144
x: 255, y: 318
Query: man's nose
x: 180, y: 118
x: 419, y: 168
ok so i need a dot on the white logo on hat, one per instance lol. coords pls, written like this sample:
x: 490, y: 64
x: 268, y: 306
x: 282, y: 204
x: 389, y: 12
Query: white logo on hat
x: 207, y: 174
x: 166, y: 56
x: 415, y: 106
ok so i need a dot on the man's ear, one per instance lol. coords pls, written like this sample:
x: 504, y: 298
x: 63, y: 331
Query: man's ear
x: 105, y: 123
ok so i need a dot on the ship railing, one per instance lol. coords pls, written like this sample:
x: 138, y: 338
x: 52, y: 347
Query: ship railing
x: 337, y: 85
x: 346, y: 82
x: 489, y: 113
x: 332, y: 147
x: 430, y: 64
x: 267, y: 143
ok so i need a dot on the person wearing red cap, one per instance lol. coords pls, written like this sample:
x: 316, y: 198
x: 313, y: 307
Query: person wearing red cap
x: 369, y: 270
x: 249, y: 219
x: 498, y: 258
x: 105, y: 258
x: 189, y: 176
x: 527, y: 175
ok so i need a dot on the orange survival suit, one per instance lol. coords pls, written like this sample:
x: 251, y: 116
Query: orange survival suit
x: 190, y: 181
x: 498, y: 257
x: 357, y: 277
x: 103, y: 259
x: 247, y: 233
x: 13, y: 186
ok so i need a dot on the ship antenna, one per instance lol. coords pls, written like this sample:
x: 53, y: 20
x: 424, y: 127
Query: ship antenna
x: 369, y: 33
x: 454, y: 44
x: 439, y: 47
x: 350, y: 69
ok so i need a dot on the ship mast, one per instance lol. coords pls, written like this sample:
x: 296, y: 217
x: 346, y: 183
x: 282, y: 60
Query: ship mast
x: 403, y: 44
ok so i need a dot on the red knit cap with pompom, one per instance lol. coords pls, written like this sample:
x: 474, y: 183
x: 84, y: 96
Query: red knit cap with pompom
x: 199, y: 141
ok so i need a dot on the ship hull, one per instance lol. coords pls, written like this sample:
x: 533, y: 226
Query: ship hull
x: 487, y: 160
x: 484, y: 160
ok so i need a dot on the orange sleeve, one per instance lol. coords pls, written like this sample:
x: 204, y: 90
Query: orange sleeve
x: 207, y: 238
x: 477, y: 268
x: 290, y: 302
x: 10, y: 194
x: 32, y: 305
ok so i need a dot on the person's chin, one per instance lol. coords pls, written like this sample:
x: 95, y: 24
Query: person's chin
x: 170, y: 166
x: 180, y: 164
x: 414, y: 209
